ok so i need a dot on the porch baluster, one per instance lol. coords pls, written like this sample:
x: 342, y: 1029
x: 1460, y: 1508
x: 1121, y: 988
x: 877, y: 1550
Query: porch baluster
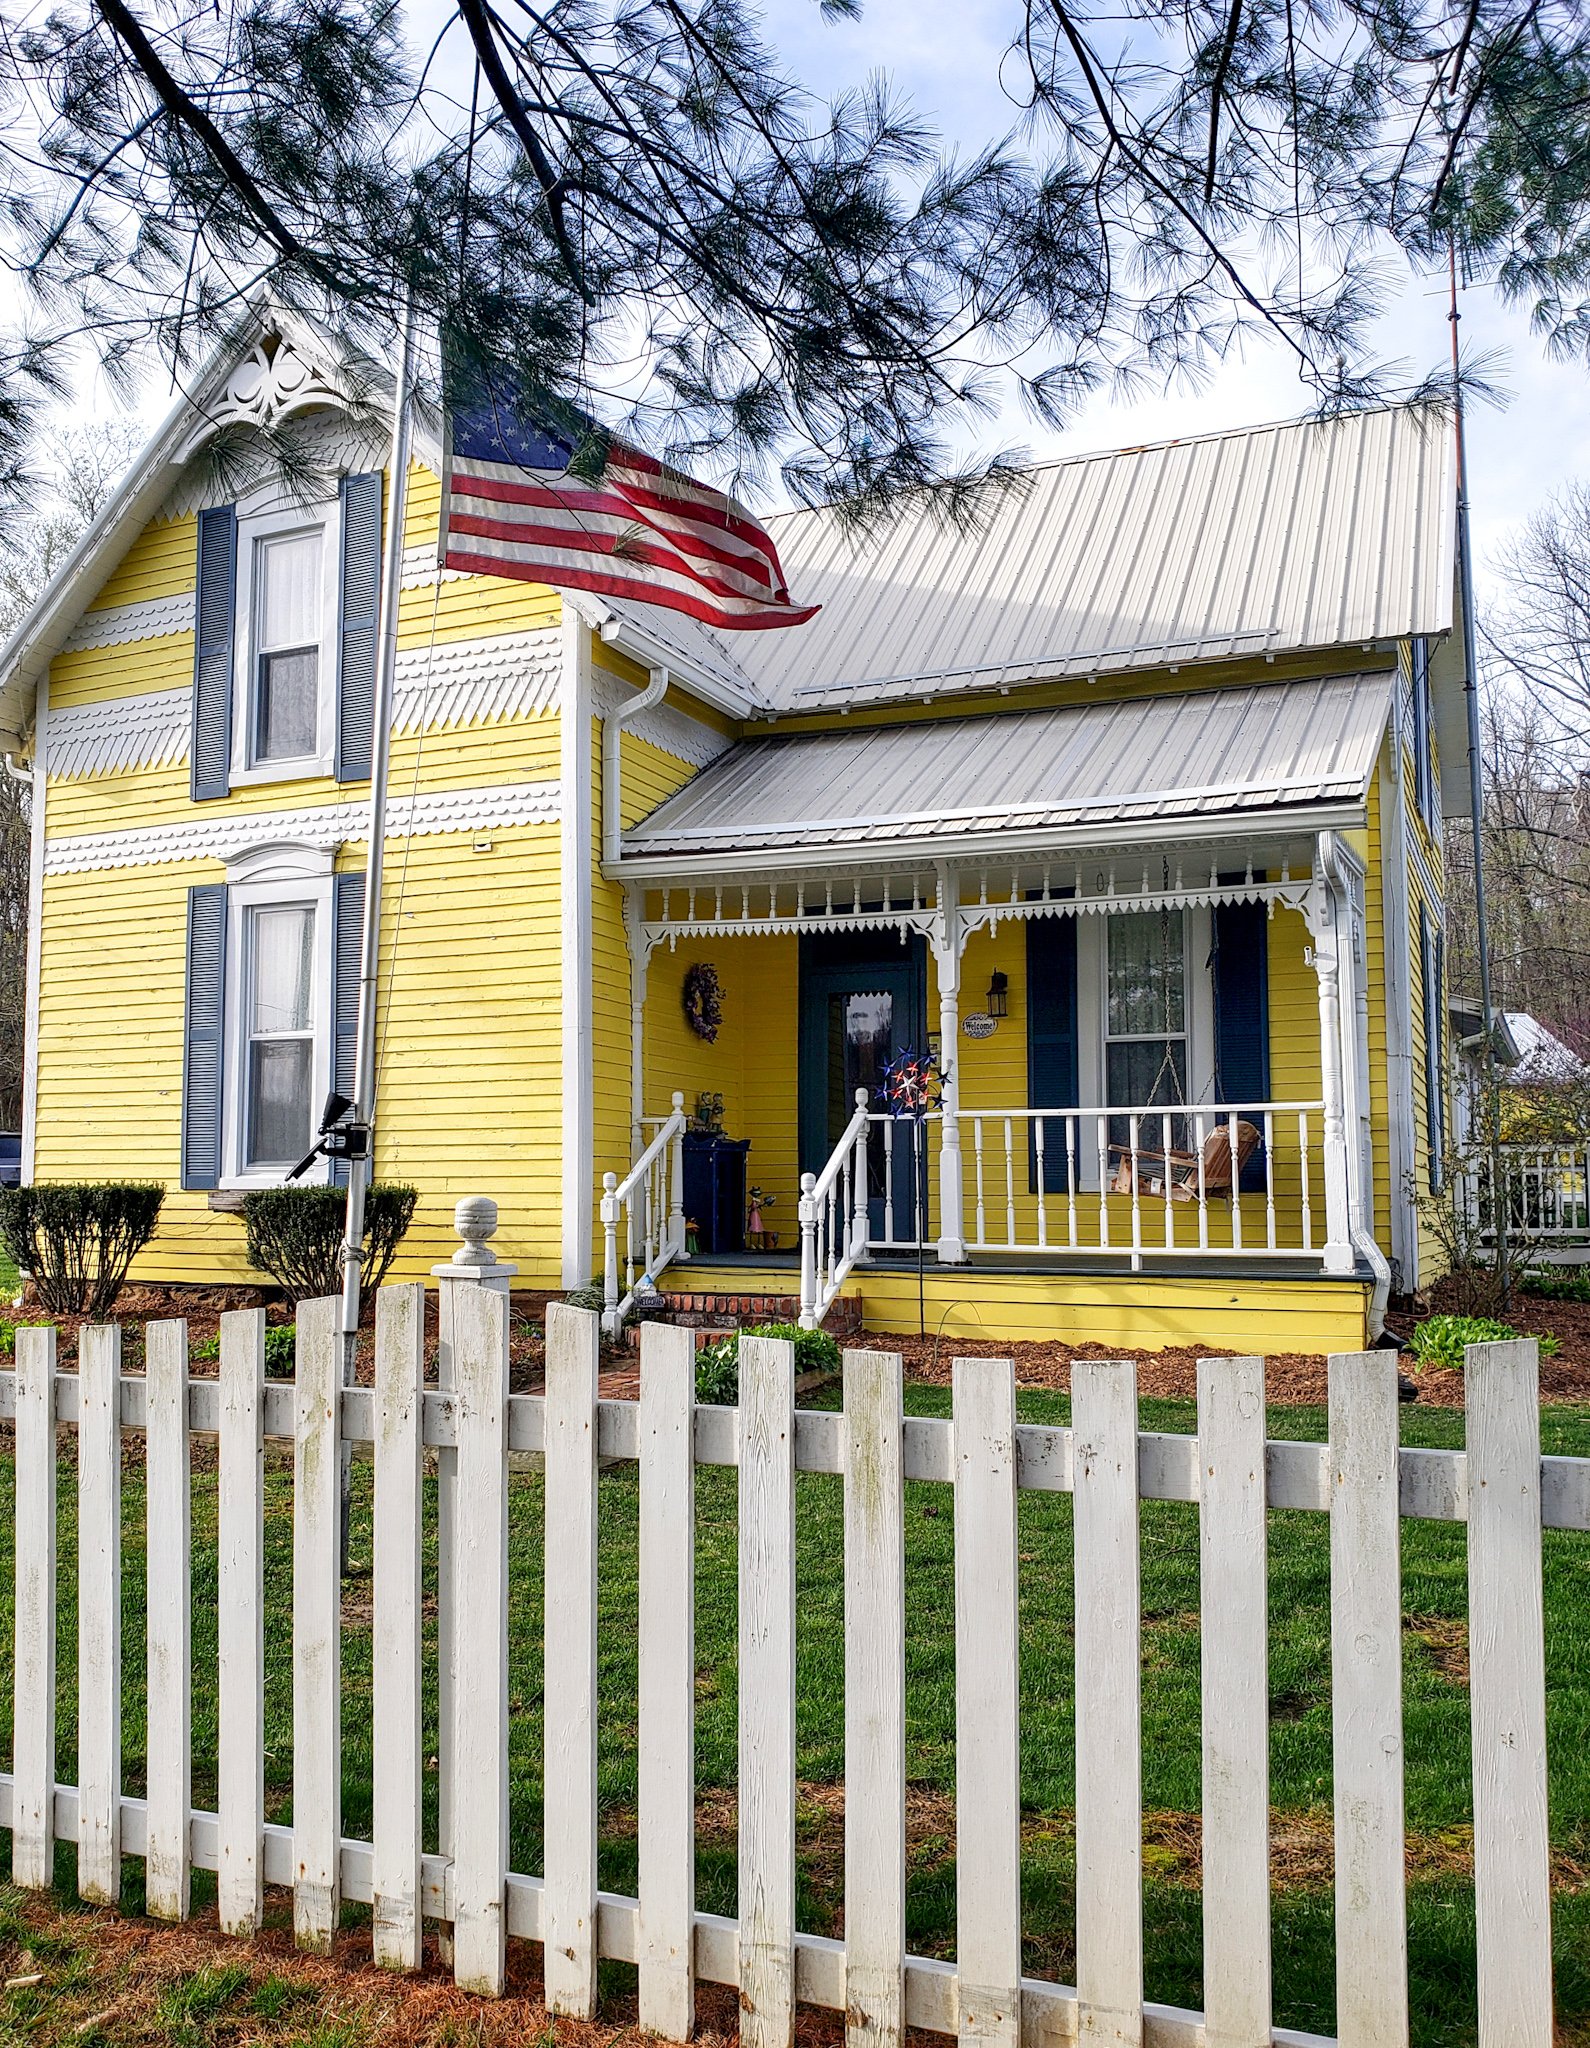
x: 888, y: 1183
x: 861, y: 1222
x: 1133, y: 1135
x: 1236, y: 1192
x: 1203, y: 1187
x: 1069, y: 1125
x: 807, y: 1211
x: 1010, y: 1186
x: 1165, y: 1184
x: 977, y: 1153
x: 1269, y: 1178
x: 1302, y: 1156
x: 1101, y: 1135
x: 1037, y: 1153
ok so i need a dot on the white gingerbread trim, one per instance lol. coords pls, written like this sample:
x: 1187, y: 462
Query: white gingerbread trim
x: 420, y: 570
x: 489, y: 807
x: 121, y: 733
x: 116, y: 624
x: 268, y: 386
x: 477, y: 682
x: 665, y: 727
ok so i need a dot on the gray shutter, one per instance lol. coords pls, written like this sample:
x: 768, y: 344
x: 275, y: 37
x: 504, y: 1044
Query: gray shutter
x: 215, y: 609
x: 347, y: 913
x: 204, y: 1055
x: 357, y: 620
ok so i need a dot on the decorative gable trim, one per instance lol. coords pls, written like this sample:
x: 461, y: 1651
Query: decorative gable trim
x: 490, y: 807
x: 119, y: 734
x: 663, y: 726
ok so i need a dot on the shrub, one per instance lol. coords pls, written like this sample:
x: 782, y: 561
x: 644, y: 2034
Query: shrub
x: 77, y: 1238
x: 281, y: 1341
x: 718, y: 1364
x: 592, y: 1297
x: 1556, y: 1283
x: 295, y: 1235
x: 1442, y: 1340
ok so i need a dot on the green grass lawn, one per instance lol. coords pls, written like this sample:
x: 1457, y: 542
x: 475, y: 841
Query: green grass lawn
x: 1441, y: 1909
x: 8, y: 1278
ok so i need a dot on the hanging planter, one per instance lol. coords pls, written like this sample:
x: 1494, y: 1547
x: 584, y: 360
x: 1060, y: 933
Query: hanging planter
x: 702, y: 999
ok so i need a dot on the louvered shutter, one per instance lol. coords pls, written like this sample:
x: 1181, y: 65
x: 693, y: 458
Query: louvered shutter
x: 1051, y: 1039
x: 1240, y: 974
x: 347, y: 912
x: 358, y: 615
x: 215, y: 612
x: 1430, y: 963
x: 204, y: 1053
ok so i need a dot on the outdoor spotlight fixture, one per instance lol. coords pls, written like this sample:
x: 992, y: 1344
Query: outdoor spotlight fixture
x: 998, y: 1000
x: 337, y: 1140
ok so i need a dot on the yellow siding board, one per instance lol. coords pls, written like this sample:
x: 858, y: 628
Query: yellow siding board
x: 161, y: 562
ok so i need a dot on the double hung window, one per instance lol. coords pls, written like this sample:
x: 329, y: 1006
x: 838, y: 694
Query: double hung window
x: 1145, y: 1042
x: 279, y: 1051
x: 284, y: 722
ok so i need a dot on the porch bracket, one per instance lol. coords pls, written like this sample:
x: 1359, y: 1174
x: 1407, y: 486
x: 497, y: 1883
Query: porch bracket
x: 1325, y: 923
x: 948, y: 941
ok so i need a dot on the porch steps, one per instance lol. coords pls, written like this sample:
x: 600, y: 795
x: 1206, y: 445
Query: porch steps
x: 710, y: 1314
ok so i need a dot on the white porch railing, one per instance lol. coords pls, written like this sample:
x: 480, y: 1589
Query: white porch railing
x: 1546, y: 1187
x: 648, y: 1205
x: 833, y: 1219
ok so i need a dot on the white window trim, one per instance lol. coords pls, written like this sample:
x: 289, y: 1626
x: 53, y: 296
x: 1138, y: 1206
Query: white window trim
x: 242, y: 900
x: 273, y: 520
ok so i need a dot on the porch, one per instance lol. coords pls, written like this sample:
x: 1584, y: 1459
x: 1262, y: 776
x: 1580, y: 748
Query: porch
x: 1234, y: 998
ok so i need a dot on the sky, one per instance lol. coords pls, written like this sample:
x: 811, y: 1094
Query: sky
x: 944, y: 58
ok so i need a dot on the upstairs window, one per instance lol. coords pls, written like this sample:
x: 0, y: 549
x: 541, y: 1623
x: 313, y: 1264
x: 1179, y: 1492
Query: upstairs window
x: 288, y: 622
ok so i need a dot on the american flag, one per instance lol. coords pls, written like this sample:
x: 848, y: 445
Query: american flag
x: 511, y: 508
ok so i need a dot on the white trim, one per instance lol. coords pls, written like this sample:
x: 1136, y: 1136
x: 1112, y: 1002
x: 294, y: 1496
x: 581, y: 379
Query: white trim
x: 156, y: 618
x: 35, y: 952
x: 281, y: 862
x: 489, y: 806
x: 117, y: 735
x: 261, y: 520
x: 1398, y: 995
x: 661, y: 725
x: 241, y: 902
x: 579, y: 1083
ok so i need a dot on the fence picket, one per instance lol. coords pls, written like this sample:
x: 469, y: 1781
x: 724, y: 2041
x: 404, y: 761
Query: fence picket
x: 240, y: 1625
x: 569, y: 1900
x: 33, y: 1713
x: 987, y: 1704
x: 168, y: 1517
x: 666, y: 1765
x: 480, y: 1721
x: 1507, y: 1679
x: 1234, y: 1612
x: 397, y: 1635
x: 874, y: 1700
x: 767, y: 1693
x: 317, y: 1628
x: 1109, y: 1705
x: 99, y: 1613
x: 1366, y: 1697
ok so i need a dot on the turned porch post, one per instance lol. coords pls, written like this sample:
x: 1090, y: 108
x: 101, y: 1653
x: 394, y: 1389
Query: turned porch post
x: 1327, y: 925
x: 639, y: 961
x: 948, y: 942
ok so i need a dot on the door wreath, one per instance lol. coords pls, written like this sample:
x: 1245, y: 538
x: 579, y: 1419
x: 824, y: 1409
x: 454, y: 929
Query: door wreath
x: 703, y: 1000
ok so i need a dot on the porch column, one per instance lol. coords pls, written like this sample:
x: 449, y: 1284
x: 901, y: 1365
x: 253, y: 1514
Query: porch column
x: 1326, y: 923
x: 948, y: 941
x: 639, y: 961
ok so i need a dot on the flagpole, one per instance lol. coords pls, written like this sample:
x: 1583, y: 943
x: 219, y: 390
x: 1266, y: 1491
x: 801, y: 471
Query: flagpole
x: 361, y: 1170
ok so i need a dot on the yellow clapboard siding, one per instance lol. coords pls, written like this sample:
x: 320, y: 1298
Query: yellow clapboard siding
x: 469, y: 1081
x: 161, y: 562
x: 133, y: 668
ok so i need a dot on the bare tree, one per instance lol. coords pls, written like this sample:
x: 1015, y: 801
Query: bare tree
x: 83, y: 470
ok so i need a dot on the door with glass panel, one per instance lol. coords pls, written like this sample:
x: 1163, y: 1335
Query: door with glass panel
x: 285, y: 713
x: 1145, y: 1023
x: 279, y: 1045
x: 859, y: 1008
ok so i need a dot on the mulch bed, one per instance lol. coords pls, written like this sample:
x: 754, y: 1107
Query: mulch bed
x: 1290, y: 1377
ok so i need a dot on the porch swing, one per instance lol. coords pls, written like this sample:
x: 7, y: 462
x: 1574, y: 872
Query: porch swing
x: 1215, y: 1169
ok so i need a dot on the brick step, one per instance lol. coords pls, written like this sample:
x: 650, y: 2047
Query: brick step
x: 712, y: 1316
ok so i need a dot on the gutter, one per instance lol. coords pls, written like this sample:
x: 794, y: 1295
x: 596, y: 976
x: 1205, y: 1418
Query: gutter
x: 37, y: 786
x: 612, y: 766
x: 651, y: 653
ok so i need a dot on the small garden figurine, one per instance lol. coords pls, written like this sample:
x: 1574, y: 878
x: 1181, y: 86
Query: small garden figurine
x: 757, y: 1238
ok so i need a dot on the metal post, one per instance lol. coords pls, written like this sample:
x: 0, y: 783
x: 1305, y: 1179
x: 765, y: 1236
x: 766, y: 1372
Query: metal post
x: 360, y: 1171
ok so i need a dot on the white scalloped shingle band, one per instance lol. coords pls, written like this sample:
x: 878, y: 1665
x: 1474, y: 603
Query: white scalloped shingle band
x: 120, y: 733
x: 118, y: 623
x: 489, y: 807
x: 663, y: 727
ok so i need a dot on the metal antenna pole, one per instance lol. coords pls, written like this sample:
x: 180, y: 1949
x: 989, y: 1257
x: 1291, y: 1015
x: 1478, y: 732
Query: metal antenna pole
x: 1471, y: 705
x: 360, y: 1171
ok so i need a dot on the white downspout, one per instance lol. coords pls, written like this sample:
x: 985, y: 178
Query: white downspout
x: 613, y: 725
x: 34, y: 781
x: 1353, y: 1018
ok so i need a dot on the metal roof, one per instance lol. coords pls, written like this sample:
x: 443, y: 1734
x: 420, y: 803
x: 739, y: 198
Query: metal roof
x: 1311, y: 534
x: 1193, y: 754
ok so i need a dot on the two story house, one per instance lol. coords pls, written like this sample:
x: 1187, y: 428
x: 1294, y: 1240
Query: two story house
x: 1124, y: 804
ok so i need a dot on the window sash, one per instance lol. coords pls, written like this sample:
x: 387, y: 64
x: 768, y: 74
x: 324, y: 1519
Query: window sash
x: 288, y: 573
x: 278, y: 1076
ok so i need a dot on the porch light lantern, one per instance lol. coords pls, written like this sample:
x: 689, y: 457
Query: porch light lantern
x: 998, y: 996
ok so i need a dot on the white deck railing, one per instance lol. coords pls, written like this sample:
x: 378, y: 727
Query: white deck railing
x: 649, y: 1206
x: 1547, y: 1191
x: 833, y: 1219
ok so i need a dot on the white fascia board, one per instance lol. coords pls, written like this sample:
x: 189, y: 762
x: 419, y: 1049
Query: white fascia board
x: 1099, y: 835
x: 648, y: 653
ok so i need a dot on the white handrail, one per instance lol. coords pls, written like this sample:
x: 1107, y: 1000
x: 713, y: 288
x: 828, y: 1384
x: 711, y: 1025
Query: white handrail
x: 653, y: 1191
x: 833, y: 1219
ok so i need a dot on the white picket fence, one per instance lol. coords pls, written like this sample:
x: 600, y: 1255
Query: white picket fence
x: 1501, y: 1487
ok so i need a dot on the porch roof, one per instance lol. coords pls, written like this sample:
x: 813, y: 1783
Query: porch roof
x: 1196, y: 754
